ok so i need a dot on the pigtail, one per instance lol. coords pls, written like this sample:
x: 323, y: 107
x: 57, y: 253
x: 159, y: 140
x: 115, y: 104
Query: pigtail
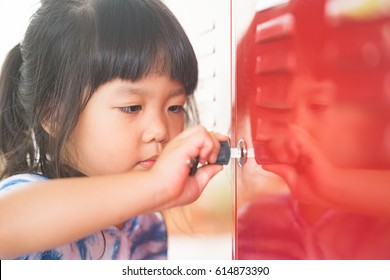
x: 15, y: 138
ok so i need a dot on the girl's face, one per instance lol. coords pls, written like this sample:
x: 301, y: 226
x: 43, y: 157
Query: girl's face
x: 351, y: 134
x: 125, y: 125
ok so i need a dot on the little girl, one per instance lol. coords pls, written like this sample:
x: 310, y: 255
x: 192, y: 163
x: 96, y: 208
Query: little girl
x: 94, y: 102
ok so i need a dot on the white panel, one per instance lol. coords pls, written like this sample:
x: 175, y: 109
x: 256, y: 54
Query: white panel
x: 262, y: 5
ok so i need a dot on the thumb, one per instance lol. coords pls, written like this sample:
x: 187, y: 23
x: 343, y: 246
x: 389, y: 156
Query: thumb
x: 206, y: 173
x: 195, y: 185
x: 199, y: 182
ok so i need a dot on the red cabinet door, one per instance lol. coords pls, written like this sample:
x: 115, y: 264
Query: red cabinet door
x: 312, y: 98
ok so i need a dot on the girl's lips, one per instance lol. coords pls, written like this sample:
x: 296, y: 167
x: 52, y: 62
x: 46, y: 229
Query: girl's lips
x: 147, y: 164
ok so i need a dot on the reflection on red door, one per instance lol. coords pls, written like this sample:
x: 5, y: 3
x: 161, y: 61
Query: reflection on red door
x: 313, y: 100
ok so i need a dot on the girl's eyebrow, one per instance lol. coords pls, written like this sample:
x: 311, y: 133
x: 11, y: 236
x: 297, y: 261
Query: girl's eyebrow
x: 177, y: 92
x: 138, y: 90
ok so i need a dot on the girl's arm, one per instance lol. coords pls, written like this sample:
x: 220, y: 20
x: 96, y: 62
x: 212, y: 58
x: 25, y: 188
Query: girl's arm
x: 362, y: 190
x: 312, y: 179
x: 43, y: 215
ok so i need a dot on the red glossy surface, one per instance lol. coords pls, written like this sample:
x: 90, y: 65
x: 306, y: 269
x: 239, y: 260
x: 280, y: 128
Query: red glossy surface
x: 314, y: 77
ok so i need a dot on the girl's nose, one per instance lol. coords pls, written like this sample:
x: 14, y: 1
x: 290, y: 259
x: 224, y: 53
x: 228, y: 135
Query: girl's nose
x: 156, y: 130
x: 301, y: 117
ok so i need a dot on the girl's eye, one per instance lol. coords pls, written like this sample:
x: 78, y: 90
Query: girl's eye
x: 131, y: 109
x: 176, y: 109
x: 318, y: 107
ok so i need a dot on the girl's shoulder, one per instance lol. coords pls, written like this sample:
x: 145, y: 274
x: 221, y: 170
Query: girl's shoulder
x: 21, y: 179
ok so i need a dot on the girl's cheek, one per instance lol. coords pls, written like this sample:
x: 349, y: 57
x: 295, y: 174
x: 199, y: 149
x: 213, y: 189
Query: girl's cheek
x: 177, y: 128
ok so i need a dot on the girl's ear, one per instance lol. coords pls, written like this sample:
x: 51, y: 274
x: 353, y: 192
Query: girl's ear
x: 47, y: 126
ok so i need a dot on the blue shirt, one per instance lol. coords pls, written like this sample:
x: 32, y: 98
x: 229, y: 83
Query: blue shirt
x: 142, y: 237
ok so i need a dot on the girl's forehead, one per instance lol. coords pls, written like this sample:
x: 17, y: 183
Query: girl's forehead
x: 148, y: 85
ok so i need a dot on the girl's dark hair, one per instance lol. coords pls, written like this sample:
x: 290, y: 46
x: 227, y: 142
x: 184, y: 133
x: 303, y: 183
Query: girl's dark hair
x: 71, y: 48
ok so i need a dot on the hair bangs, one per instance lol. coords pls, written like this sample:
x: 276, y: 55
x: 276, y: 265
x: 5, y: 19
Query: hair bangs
x: 133, y: 43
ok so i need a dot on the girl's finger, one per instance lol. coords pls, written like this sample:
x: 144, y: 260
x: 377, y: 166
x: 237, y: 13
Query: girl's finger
x: 217, y: 138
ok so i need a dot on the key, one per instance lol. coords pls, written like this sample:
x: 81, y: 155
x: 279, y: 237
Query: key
x: 242, y: 153
x: 226, y: 153
x: 259, y: 151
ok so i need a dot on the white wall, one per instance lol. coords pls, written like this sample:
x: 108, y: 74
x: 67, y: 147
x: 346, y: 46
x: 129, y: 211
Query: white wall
x: 14, y: 18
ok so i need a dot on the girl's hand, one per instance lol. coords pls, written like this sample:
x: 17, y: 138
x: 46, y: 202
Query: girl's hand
x: 304, y: 167
x: 176, y: 186
x: 76, y: 202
